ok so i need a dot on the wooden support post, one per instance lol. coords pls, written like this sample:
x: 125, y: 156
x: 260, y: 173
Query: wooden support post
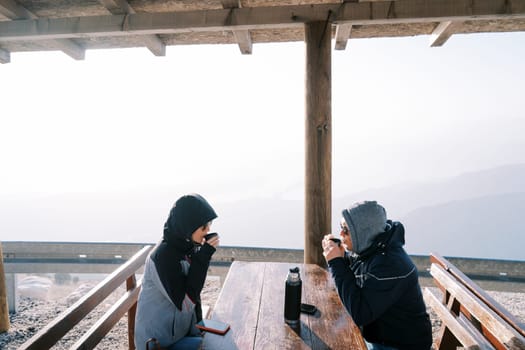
x: 12, y: 296
x: 318, y: 130
x: 4, y: 310
x: 131, y: 283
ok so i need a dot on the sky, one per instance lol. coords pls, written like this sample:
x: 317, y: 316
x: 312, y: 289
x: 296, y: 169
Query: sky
x: 207, y: 117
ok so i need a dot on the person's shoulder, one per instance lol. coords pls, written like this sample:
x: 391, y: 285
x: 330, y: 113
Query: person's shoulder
x: 392, y: 261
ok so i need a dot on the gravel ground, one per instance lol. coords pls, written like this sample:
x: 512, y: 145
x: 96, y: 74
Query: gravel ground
x: 34, y: 313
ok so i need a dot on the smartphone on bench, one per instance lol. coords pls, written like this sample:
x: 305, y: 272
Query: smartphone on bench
x: 308, y: 309
x: 213, y: 326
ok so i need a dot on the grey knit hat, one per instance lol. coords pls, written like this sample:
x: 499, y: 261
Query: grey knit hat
x: 366, y: 220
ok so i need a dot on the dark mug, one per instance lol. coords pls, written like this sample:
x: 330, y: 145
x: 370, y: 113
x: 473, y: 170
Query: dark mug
x: 336, y: 241
x: 210, y: 235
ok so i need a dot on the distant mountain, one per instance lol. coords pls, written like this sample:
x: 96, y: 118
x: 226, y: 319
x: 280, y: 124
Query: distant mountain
x: 402, y: 199
x: 475, y: 214
x: 489, y: 226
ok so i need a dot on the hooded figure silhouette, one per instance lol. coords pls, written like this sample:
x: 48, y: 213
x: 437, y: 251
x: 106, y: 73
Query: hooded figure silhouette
x: 169, y: 303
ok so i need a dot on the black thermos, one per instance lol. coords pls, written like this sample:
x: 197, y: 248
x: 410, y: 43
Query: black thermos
x: 292, y: 297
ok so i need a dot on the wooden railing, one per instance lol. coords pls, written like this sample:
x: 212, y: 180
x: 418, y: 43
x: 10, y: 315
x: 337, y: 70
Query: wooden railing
x: 82, y: 257
x: 60, y: 326
x: 471, y: 319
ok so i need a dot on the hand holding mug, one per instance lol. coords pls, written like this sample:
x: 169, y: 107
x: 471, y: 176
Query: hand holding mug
x: 212, y: 239
x: 332, y: 248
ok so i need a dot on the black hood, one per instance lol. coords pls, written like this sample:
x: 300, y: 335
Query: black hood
x: 394, y: 236
x: 188, y: 214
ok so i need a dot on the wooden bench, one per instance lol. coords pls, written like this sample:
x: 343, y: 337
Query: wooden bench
x: 56, y: 329
x: 471, y: 319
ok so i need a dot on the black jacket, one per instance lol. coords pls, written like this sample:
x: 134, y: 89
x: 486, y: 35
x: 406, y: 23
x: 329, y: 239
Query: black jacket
x: 188, y: 214
x: 380, y: 290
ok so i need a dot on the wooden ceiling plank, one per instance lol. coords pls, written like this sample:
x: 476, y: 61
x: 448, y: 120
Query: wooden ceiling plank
x: 342, y: 34
x: 122, y: 7
x: 244, y: 40
x: 155, y: 45
x: 5, y: 56
x: 231, y: 4
x: 70, y: 48
x: 14, y: 11
x: 408, y: 11
x: 442, y: 33
x: 117, y: 7
x: 242, y: 37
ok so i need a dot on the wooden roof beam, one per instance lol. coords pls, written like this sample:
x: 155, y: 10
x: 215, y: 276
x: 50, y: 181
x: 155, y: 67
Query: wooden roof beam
x: 344, y: 30
x: 242, y: 37
x: 5, y: 56
x: 14, y: 11
x: 442, y: 33
x: 362, y: 13
x: 342, y: 34
x: 122, y: 7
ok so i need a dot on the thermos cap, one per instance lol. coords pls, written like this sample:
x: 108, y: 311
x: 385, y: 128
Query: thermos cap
x: 293, y: 275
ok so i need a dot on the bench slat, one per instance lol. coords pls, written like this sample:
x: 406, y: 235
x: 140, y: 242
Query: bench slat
x: 482, y: 341
x: 245, y: 306
x: 271, y: 316
x: 56, y: 329
x: 498, y: 328
x: 480, y: 293
x: 99, y: 330
x: 329, y: 322
x: 449, y: 321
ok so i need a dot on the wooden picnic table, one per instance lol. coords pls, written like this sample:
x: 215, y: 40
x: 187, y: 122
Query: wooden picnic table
x: 252, y: 302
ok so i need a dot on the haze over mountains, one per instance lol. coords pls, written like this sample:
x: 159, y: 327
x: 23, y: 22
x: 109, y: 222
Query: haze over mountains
x: 477, y: 214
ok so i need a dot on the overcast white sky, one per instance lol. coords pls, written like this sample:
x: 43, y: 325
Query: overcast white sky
x: 211, y: 117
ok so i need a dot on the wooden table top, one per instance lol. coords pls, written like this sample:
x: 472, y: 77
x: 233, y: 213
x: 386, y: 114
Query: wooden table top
x: 252, y: 302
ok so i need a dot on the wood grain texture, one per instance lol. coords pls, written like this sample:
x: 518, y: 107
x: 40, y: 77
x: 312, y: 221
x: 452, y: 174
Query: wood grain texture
x: 56, y: 329
x: 330, y: 326
x: 476, y: 290
x: 4, y: 309
x: 238, y: 305
x: 461, y: 302
x: 449, y: 321
x: 272, y: 331
x: 259, y: 322
x: 260, y: 21
x: 318, y: 140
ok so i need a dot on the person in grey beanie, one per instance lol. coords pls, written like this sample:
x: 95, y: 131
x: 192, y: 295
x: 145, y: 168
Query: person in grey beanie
x: 377, y: 281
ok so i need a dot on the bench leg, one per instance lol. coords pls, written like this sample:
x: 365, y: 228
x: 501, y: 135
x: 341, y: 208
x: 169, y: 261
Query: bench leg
x: 12, y: 297
x: 446, y: 340
x: 131, y: 283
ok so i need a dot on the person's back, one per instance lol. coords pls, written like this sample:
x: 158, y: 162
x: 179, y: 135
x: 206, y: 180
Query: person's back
x: 379, y: 284
x: 157, y: 316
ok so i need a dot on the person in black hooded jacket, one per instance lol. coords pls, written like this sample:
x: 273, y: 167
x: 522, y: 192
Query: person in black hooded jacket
x: 377, y: 281
x: 169, y: 303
